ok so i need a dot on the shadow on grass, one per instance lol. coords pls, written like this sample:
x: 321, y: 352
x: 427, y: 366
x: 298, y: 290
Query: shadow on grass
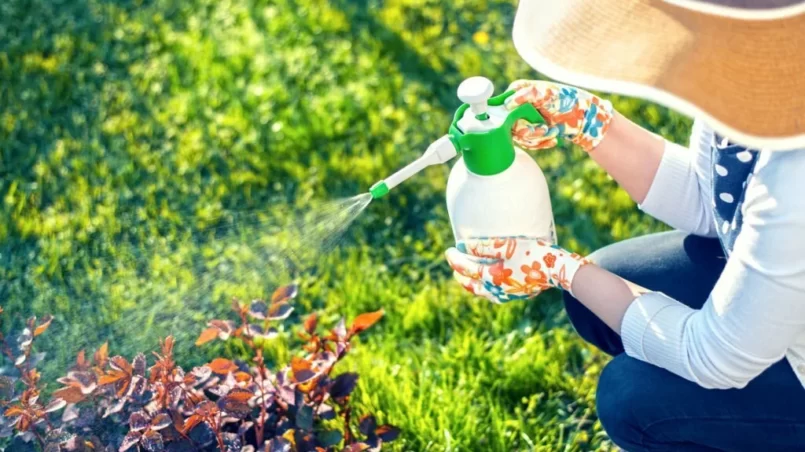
x: 363, y: 22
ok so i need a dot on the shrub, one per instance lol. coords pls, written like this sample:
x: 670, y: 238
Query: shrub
x: 112, y: 403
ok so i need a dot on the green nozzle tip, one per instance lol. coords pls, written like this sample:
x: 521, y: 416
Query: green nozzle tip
x: 379, y: 190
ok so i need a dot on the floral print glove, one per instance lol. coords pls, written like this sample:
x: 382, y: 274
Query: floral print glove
x: 569, y: 112
x: 505, y: 269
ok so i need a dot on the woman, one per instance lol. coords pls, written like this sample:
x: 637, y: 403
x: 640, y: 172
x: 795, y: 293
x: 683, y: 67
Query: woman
x: 706, y: 323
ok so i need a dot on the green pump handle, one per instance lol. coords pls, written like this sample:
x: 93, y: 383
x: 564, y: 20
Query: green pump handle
x: 491, y: 151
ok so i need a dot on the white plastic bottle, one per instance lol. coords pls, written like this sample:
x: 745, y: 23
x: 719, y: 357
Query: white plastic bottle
x: 495, y: 189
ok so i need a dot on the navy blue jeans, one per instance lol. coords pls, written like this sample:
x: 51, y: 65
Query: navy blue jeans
x: 643, y: 407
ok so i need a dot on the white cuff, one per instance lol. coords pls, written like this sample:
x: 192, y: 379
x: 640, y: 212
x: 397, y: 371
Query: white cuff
x: 652, y: 330
x: 674, y: 172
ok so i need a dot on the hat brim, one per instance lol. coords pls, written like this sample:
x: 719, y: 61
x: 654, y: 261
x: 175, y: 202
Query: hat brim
x: 746, y: 9
x: 744, y: 78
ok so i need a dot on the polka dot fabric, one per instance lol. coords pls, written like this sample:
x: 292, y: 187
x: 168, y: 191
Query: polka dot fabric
x: 732, y: 169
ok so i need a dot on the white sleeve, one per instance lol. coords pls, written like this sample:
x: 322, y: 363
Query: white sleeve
x: 757, y: 308
x: 680, y: 194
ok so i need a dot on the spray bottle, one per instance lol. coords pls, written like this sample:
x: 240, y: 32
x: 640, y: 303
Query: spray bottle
x: 495, y: 189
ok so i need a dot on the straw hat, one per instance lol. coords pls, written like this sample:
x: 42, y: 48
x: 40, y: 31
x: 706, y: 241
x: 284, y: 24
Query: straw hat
x: 737, y: 64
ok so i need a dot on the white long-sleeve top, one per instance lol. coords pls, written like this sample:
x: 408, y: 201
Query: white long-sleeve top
x: 755, y: 314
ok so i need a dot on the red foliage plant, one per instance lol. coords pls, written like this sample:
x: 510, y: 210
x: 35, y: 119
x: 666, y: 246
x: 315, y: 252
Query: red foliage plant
x: 113, y: 404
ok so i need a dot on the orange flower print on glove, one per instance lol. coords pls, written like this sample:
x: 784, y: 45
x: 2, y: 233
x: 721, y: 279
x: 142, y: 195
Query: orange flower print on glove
x: 505, y: 269
x: 550, y: 259
x: 569, y: 112
x: 500, y: 274
x: 535, y: 277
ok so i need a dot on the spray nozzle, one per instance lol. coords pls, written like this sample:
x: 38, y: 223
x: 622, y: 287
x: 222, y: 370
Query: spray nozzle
x: 440, y: 151
x: 379, y: 189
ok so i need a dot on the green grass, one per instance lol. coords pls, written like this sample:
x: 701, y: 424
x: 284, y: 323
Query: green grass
x: 125, y: 126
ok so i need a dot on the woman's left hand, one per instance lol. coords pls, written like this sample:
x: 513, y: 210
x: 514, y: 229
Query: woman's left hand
x: 512, y: 268
x: 569, y: 112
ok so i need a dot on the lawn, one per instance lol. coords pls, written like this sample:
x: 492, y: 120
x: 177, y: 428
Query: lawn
x: 158, y: 157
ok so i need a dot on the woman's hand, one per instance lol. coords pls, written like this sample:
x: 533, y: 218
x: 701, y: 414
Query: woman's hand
x: 505, y: 269
x: 569, y: 112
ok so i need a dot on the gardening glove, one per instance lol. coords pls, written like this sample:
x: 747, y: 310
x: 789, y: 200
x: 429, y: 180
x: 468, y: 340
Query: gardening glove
x: 505, y: 269
x: 569, y: 113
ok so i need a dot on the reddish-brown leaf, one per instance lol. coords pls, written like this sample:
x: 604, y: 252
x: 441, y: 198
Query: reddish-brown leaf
x: 284, y: 293
x: 111, y: 377
x: 367, y: 424
x: 43, y: 326
x: 207, y: 335
x: 55, y: 405
x: 69, y: 394
x: 139, y: 421
x: 120, y: 363
x: 81, y: 361
x: 237, y: 402
x: 311, y: 322
x: 343, y: 385
x: 32, y: 377
x: 130, y: 440
x: 101, y: 355
x: 242, y: 377
x: 191, y: 423
x: 13, y: 411
x: 152, y: 441
x: 178, y: 421
x: 312, y: 345
x: 29, y: 396
x: 254, y: 331
x: 167, y: 346
x: 222, y: 366
x: 207, y: 408
x: 258, y: 309
x: 304, y: 376
x: 387, y: 433
x: 225, y: 328
x: 115, y: 407
x: 298, y: 364
x: 125, y: 384
x: 301, y: 369
x: 160, y: 421
x: 240, y: 395
x: 307, y: 380
x: 87, y: 381
x: 138, y: 365
x: 366, y: 320
x: 198, y: 375
x: 279, y: 311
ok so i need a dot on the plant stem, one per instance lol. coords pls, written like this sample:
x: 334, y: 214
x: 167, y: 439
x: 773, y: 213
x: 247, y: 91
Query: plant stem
x: 38, y: 437
x: 261, y: 421
x: 347, y: 430
x: 218, y: 435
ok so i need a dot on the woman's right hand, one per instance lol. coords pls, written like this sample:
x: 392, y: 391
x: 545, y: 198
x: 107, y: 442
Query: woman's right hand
x: 570, y: 113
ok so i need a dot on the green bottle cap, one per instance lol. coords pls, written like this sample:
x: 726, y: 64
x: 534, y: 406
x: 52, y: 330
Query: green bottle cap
x: 491, y: 151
